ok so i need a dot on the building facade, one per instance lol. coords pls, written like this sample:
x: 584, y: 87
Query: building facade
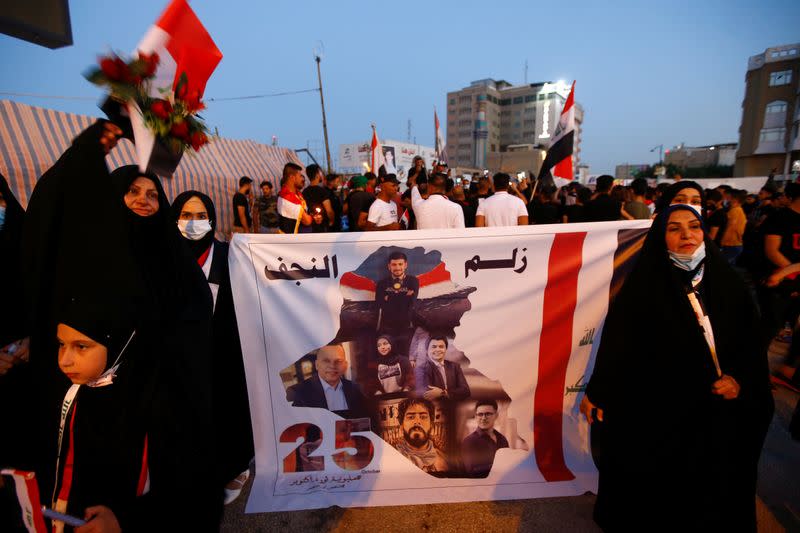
x: 768, y: 134
x: 701, y: 156
x: 498, y: 126
x: 628, y: 170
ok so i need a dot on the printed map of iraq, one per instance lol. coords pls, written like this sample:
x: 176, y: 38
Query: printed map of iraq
x: 405, y: 298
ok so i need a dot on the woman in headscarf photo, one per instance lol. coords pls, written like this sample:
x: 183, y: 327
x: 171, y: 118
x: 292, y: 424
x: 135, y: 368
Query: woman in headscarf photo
x: 680, y: 395
x: 394, y: 372
x: 196, y: 218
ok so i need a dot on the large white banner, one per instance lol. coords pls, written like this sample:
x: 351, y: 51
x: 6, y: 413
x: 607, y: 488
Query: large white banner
x: 393, y: 368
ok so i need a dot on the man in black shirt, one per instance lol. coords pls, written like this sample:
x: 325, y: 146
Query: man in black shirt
x: 717, y: 215
x: 544, y: 209
x: 332, y: 182
x: 242, y: 220
x: 782, y: 248
x: 603, y: 207
x: 358, y: 204
x: 316, y: 197
x: 395, y: 296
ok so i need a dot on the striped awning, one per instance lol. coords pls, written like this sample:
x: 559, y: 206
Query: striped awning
x: 33, y: 138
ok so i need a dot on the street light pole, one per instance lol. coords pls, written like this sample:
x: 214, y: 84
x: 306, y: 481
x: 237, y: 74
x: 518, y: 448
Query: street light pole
x: 317, y: 58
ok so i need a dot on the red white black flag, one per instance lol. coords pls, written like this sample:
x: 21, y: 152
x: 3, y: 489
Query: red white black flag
x: 439, y: 149
x: 558, y: 162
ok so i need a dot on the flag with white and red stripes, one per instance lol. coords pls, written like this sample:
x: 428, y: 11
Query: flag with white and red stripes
x: 376, y: 159
x: 439, y: 149
x: 184, y: 47
x: 558, y: 162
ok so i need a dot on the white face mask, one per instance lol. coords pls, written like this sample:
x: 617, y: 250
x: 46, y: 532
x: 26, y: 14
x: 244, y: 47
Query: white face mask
x: 194, y: 230
x: 689, y: 262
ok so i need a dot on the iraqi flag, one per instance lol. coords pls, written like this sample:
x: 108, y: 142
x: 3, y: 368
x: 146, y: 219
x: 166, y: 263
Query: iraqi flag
x: 184, y: 47
x: 440, y: 148
x: 557, y: 165
x: 376, y: 159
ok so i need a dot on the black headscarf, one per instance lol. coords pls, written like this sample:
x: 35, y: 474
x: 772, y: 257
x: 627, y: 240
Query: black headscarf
x: 672, y: 191
x: 157, y: 246
x: 200, y: 246
x: 653, y: 375
x: 112, y: 421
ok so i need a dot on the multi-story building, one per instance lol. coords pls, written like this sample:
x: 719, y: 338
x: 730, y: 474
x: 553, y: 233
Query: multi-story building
x: 493, y: 124
x: 628, y: 170
x: 701, y: 156
x: 768, y: 134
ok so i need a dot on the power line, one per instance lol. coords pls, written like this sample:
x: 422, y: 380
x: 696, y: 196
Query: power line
x: 93, y: 98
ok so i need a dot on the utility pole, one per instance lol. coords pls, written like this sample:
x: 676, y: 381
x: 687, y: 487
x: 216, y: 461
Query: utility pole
x: 317, y: 58
x: 408, y: 138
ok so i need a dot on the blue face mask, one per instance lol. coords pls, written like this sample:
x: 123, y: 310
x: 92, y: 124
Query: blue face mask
x: 691, y: 261
x: 2, y: 216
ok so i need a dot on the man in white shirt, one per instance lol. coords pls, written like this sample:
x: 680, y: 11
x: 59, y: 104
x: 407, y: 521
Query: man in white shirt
x: 383, y: 211
x: 502, y: 208
x: 437, y: 211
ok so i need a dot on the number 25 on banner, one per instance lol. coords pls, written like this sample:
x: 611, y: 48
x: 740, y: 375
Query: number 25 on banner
x: 301, y: 460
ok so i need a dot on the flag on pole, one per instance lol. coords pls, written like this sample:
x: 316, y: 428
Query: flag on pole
x: 439, y: 149
x: 184, y: 47
x: 376, y: 159
x: 558, y: 162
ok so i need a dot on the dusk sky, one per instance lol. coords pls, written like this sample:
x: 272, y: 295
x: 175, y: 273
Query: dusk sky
x: 648, y: 73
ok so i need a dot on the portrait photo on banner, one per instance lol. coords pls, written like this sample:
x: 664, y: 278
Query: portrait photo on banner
x: 395, y: 368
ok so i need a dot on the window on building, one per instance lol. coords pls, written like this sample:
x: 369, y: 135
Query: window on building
x: 518, y: 100
x: 516, y: 124
x: 465, y: 110
x: 793, y: 52
x: 542, y: 96
x: 772, y: 135
x: 781, y: 77
x: 466, y: 122
x: 773, y: 55
x: 505, y: 101
x: 778, y: 106
x: 517, y: 113
x: 529, y: 135
x: 505, y: 113
x: 530, y: 98
x: 465, y: 99
x: 530, y: 110
x: 530, y: 122
x: 464, y: 134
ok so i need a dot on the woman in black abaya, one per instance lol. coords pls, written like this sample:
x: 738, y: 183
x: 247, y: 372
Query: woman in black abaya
x: 682, y: 434
x: 196, y: 218
x: 176, y: 308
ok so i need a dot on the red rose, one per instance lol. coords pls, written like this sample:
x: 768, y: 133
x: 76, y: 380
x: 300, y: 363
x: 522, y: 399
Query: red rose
x: 193, y: 102
x: 110, y: 68
x: 150, y: 63
x: 161, y: 108
x: 198, y: 139
x: 180, y: 130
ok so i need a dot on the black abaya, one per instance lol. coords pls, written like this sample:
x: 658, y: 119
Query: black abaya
x: 671, y: 450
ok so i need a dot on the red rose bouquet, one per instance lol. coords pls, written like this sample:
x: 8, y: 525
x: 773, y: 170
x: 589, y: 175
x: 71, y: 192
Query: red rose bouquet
x: 171, y: 115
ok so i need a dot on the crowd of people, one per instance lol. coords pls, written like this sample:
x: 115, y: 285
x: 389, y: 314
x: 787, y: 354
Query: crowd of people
x: 123, y: 372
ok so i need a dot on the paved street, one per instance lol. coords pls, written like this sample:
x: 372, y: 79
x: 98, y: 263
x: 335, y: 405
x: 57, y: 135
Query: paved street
x: 778, y: 505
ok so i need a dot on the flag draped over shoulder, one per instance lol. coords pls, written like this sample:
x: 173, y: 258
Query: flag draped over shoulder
x: 558, y: 162
x: 440, y: 149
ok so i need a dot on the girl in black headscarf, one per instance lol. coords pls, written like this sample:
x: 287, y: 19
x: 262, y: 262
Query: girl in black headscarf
x: 394, y: 372
x: 194, y: 214
x: 682, y: 391
x: 102, y: 472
